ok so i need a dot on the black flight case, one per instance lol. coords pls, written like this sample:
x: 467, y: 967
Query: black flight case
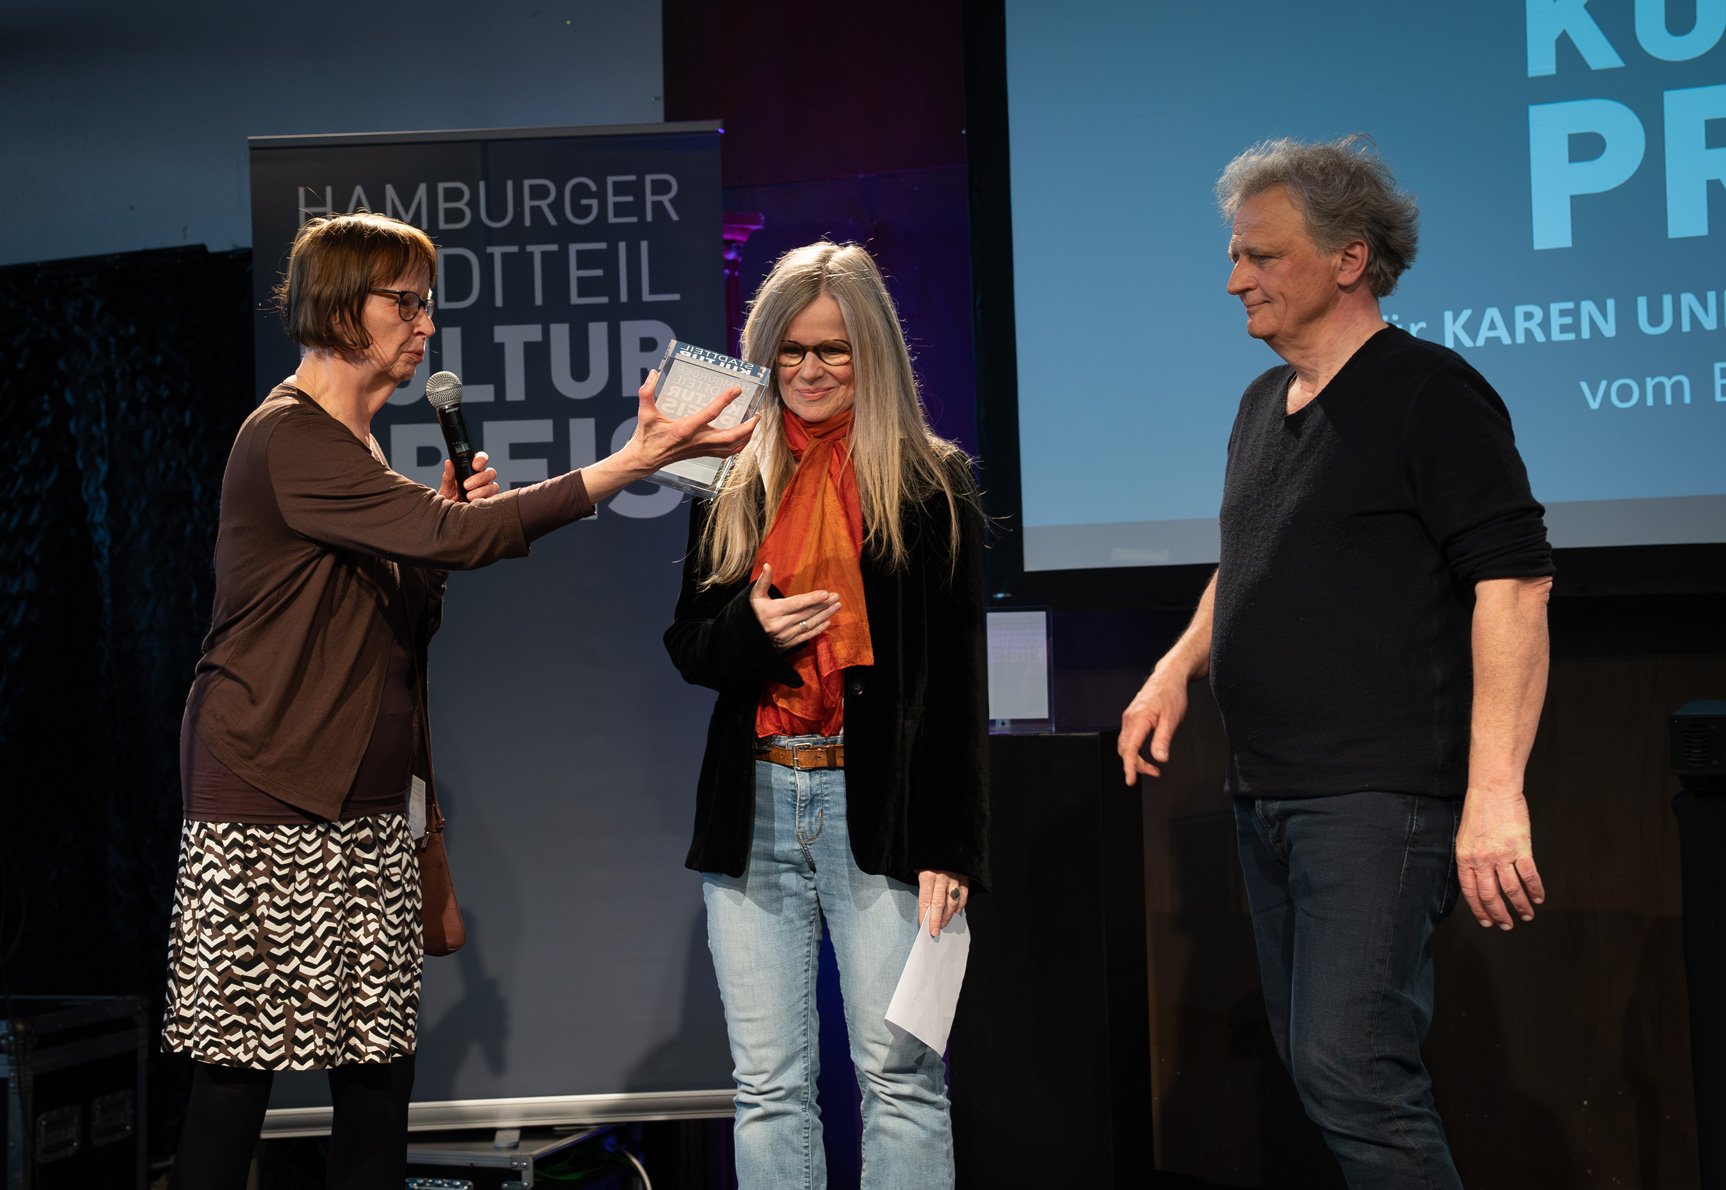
x: 74, y: 1071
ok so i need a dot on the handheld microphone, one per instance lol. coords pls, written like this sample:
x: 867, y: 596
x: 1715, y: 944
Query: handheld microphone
x: 443, y: 390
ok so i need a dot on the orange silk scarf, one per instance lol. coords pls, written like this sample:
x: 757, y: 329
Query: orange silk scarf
x: 816, y: 544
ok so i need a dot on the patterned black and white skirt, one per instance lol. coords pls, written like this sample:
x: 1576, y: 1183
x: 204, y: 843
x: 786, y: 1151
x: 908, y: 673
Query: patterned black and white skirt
x: 295, y: 947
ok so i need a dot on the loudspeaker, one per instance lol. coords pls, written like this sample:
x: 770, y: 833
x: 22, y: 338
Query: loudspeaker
x: 1697, y: 740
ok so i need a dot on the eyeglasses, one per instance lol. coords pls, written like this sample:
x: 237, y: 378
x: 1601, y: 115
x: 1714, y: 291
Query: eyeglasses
x: 408, y: 303
x: 832, y: 353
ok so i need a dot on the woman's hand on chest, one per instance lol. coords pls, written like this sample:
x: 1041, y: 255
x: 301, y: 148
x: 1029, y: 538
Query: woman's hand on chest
x: 794, y: 620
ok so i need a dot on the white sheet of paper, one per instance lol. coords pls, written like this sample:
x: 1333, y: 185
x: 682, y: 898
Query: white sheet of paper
x: 928, y: 992
x: 417, y: 809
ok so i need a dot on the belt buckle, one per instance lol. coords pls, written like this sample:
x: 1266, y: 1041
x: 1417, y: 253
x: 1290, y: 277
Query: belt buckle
x: 798, y: 751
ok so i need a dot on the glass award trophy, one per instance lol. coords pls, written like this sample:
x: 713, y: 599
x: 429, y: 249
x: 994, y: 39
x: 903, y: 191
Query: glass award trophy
x: 689, y: 379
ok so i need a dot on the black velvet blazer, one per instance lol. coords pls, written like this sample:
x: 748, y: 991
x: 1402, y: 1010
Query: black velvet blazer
x: 916, y: 722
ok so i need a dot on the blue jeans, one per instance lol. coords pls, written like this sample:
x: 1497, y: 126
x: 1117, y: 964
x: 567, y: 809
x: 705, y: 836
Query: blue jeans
x: 1345, y: 893
x: 764, y: 930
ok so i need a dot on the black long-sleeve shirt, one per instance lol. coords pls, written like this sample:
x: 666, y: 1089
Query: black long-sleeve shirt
x: 1353, y: 532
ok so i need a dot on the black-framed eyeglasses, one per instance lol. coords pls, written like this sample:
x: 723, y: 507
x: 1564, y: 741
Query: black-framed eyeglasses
x: 833, y: 353
x: 408, y: 303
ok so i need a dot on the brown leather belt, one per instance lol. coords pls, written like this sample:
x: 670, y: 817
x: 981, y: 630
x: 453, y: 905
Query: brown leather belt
x: 805, y: 756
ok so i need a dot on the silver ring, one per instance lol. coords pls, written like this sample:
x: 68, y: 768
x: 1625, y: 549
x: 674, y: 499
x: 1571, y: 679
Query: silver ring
x: 953, y: 892
x: 803, y: 625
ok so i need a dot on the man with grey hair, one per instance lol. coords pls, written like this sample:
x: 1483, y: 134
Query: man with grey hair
x: 1375, y: 635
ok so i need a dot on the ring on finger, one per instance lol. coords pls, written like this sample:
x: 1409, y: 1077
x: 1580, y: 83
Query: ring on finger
x: 953, y: 892
x: 803, y: 625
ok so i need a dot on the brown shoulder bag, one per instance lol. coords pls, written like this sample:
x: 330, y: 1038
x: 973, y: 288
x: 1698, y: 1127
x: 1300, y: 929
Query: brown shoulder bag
x: 443, y: 932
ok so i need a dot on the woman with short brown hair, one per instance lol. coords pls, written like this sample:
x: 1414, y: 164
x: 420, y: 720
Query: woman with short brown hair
x: 296, y: 937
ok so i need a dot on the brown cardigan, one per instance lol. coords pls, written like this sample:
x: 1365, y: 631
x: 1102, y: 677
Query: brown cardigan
x: 313, y: 523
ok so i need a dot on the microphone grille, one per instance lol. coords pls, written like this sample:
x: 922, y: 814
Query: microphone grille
x: 443, y: 390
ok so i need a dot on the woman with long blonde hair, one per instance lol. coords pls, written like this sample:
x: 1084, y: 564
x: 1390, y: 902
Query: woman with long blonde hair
x: 833, y: 596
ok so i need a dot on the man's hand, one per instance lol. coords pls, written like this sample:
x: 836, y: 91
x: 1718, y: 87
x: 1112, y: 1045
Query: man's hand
x: 941, y: 895
x: 1159, y: 706
x: 1494, y: 853
x: 1161, y: 702
x: 1495, y: 859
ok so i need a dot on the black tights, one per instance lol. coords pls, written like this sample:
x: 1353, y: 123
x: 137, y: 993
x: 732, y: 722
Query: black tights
x: 368, y: 1136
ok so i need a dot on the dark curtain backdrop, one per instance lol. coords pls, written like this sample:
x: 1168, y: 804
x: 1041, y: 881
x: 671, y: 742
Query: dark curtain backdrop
x: 123, y: 380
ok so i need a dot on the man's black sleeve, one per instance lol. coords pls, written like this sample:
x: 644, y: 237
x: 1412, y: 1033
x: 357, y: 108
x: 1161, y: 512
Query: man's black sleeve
x: 1470, y: 484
